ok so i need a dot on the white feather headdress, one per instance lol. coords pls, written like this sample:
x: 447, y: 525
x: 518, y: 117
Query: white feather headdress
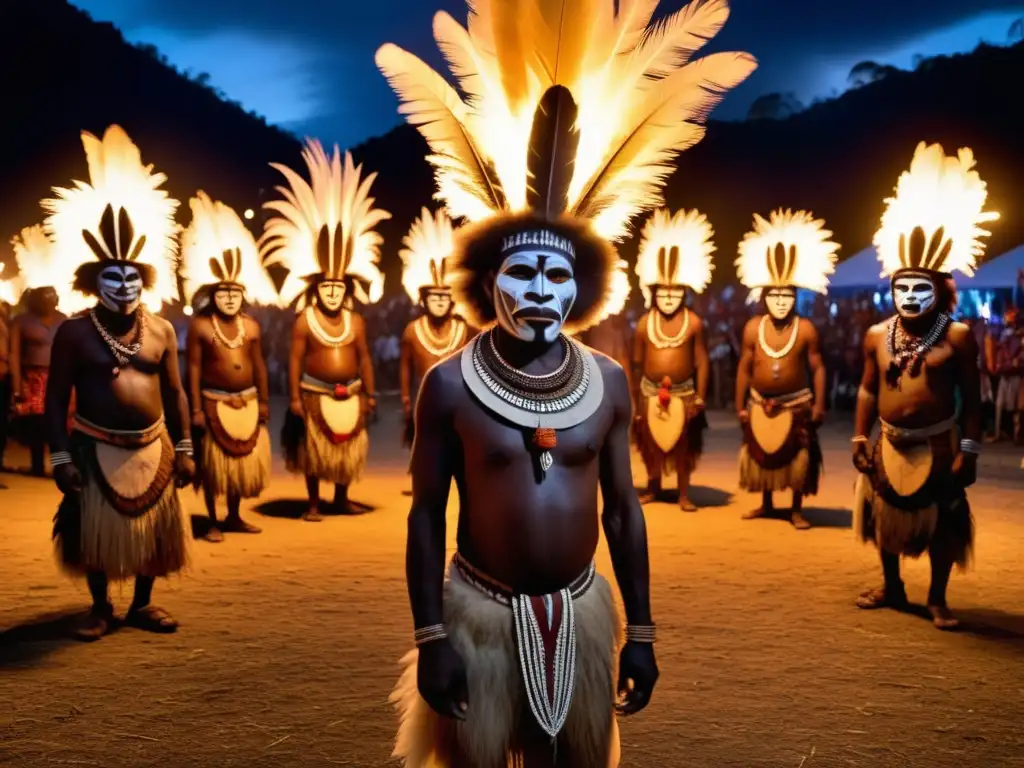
x: 120, y: 215
x: 39, y: 267
x: 217, y: 248
x: 789, y: 249
x: 426, y: 251
x: 932, y: 222
x: 675, y: 250
x: 326, y: 226
x: 10, y: 289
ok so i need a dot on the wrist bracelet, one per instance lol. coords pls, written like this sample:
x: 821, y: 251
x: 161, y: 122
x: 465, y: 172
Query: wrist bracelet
x: 58, y: 458
x: 970, y: 446
x: 184, y: 446
x: 859, y: 439
x: 429, y: 634
x: 640, y: 633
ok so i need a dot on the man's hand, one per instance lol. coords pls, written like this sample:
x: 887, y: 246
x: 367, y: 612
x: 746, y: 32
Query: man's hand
x: 965, y: 468
x: 264, y: 413
x: 743, y: 415
x: 295, y: 406
x: 698, y: 406
x: 441, y: 679
x: 636, y: 666
x: 184, y: 469
x: 199, y: 420
x: 862, y: 457
x: 370, y: 403
x: 818, y: 414
x: 68, y: 478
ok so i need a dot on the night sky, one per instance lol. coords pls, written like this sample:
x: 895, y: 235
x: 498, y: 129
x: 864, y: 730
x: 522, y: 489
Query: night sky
x: 307, y: 65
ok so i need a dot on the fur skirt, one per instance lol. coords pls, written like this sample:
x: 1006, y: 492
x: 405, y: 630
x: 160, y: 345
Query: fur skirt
x: 498, y: 721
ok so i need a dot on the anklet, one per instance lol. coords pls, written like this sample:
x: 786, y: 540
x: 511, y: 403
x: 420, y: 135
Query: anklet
x: 59, y: 458
x: 425, y: 635
x: 640, y: 633
x: 970, y: 446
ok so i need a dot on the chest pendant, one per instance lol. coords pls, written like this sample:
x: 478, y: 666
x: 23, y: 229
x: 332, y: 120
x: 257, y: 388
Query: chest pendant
x: 544, y: 439
x: 776, y: 369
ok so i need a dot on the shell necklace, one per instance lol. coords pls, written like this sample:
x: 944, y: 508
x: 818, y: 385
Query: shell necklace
x: 322, y: 336
x: 439, y: 346
x: 777, y: 354
x: 234, y: 343
x: 123, y: 353
x: 658, y: 338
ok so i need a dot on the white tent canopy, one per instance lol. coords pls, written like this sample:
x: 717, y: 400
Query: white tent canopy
x: 861, y: 270
x: 997, y: 273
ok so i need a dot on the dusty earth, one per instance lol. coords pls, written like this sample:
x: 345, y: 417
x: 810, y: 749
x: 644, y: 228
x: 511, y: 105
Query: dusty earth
x: 289, y: 640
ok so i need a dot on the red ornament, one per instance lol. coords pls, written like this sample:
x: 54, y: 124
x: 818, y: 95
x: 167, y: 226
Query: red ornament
x: 664, y: 393
x: 544, y: 438
x: 340, y: 391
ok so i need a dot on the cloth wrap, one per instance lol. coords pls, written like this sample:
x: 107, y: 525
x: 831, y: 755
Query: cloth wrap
x: 33, y: 391
x: 331, y: 442
x: 234, y: 459
x: 127, y: 520
x: 486, y: 622
x: 910, y: 501
x: 671, y: 435
x: 780, y: 444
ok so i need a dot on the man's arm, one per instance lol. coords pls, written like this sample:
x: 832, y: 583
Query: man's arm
x: 405, y: 369
x: 965, y: 348
x: 622, y: 518
x: 745, y: 369
x: 701, y: 359
x: 194, y: 366
x: 259, y: 367
x: 638, y: 358
x: 432, y: 468
x: 819, y: 375
x: 296, y: 362
x: 16, y: 357
x: 59, y: 385
x: 175, y: 399
x: 365, y: 360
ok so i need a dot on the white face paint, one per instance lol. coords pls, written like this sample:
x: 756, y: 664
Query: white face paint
x: 331, y: 294
x: 534, y: 291
x: 120, y: 288
x: 780, y: 302
x: 669, y: 298
x: 913, y: 295
x: 438, y: 302
x: 228, y: 300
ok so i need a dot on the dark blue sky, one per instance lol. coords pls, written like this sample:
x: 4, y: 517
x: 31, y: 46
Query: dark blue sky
x: 308, y: 64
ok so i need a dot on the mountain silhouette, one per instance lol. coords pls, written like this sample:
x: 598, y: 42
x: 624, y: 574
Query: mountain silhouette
x: 64, y: 73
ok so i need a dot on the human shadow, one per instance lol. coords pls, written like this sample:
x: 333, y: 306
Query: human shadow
x: 701, y: 495
x: 993, y: 624
x: 293, y: 509
x: 32, y: 640
x: 828, y: 517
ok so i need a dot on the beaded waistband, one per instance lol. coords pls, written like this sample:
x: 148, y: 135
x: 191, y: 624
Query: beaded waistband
x: 788, y: 400
x: 219, y: 394
x: 900, y: 434
x: 124, y: 438
x: 683, y: 389
x: 502, y: 593
x: 313, y: 384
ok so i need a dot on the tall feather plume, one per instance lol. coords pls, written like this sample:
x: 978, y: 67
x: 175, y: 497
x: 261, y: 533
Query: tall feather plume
x: 690, y: 233
x: 552, y: 155
x: 10, y: 286
x: 40, y: 266
x: 329, y: 221
x: 425, y: 253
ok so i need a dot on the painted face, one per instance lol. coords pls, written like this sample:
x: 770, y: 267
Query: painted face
x: 120, y: 288
x: 331, y: 294
x: 438, y: 303
x: 913, y: 295
x: 669, y: 298
x: 228, y: 299
x: 534, y: 291
x: 780, y: 302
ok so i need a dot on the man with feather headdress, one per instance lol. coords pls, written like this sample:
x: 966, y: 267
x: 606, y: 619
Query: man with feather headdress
x: 324, y: 233
x: 440, y: 331
x: 573, y: 114
x: 781, y: 385
x: 669, y: 351
x: 227, y: 375
x: 31, y: 340
x: 911, y: 496
x: 129, y: 447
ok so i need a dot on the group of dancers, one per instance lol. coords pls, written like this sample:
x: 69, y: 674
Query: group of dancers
x: 557, y: 138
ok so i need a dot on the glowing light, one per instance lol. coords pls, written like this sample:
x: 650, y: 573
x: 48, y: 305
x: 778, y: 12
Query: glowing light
x: 810, y: 254
x: 877, y: 299
x: 249, y: 214
x: 40, y: 266
x: 689, y: 232
x: 943, y: 197
x: 428, y: 244
x: 188, y: 310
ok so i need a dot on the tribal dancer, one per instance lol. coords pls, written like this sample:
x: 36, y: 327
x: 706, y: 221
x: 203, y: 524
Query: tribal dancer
x: 779, y: 410
x: 324, y: 233
x: 8, y: 297
x: 32, y: 334
x: 515, y: 658
x: 227, y: 375
x: 120, y: 516
x: 441, y: 330
x: 911, y: 495
x: 669, y: 352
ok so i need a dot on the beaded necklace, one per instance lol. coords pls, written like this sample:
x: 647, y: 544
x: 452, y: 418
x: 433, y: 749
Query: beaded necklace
x: 234, y: 343
x: 322, y: 336
x: 123, y: 353
x: 658, y: 338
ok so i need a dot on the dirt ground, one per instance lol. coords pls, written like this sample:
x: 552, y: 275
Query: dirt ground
x: 290, y: 640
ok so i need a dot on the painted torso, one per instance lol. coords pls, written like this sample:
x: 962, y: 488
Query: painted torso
x: 225, y: 368
x: 779, y: 376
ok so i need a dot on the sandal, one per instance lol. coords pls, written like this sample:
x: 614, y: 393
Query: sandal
x: 873, y: 599
x: 149, y: 618
x: 95, y: 624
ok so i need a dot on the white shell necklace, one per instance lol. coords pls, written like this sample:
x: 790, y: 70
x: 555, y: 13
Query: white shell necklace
x: 234, y: 343
x: 123, y: 353
x: 777, y: 354
x: 322, y: 336
x: 658, y: 338
x: 439, y: 346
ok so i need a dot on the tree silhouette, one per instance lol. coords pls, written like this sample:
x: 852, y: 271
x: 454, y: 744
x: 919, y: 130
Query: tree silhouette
x: 1016, y: 32
x: 774, y: 106
x: 867, y: 72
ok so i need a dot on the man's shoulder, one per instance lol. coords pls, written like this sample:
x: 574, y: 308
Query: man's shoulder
x: 443, y: 382
x: 612, y: 373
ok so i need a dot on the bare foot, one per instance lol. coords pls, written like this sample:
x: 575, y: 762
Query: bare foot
x: 686, y: 505
x: 149, y: 618
x: 214, y: 535
x: 755, y: 513
x: 238, y: 525
x: 312, y: 515
x: 942, y: 617
x: 94, y: 625
x: 873, y: 599
x: 646, y: 497
x: 799, y: 521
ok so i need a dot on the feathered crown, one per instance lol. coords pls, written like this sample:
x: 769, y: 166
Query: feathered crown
x: 573, y: 114
x: 425, y: 256
x: 932, y: 223
x: 121, y: 215
x: 217, y: 248
x: 39, y: 266
x: 675, y: 250
x: 791, y: 249
x: 325, y: 227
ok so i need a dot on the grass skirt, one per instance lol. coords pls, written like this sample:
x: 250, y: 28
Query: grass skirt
x: 242, y: 477
x: 309, y: 452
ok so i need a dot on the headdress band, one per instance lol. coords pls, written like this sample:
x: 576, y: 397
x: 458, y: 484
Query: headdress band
x: 540, y: 238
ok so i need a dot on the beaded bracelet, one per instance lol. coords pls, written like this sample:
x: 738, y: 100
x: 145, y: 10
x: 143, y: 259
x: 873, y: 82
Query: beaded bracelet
x: 639, y: 633
x: 970, y: 446
x: 184, y: 446
x: 859, y: 439
x: 59, y: 458
x: 425, y: 635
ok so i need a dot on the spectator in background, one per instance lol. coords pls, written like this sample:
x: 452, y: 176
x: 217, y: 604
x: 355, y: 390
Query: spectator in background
x: 5, y: 379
